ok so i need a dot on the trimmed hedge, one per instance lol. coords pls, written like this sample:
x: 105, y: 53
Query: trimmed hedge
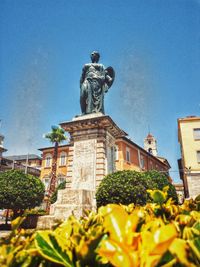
x: 126, y: 187
x: 20, y: 191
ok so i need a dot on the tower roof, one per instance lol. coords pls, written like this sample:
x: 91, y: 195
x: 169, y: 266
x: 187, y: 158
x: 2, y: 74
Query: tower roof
x: 150, y: 136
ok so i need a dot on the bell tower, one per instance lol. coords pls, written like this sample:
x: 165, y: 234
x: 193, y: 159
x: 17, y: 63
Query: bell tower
x: 150, y: 144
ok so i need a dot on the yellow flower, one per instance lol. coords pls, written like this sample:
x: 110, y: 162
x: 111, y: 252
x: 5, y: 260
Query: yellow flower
x: 118, y: 253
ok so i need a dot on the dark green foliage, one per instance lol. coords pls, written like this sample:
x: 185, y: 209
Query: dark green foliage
x: 123, y: 187
x: 157, y: 180
x: 19, y: 191
x: 127, y: 187
x: 55, y: 193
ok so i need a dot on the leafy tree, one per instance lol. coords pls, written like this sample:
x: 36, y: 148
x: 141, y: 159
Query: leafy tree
x: 127, y: 187
x: 56, y: 136
x: 19, y: 191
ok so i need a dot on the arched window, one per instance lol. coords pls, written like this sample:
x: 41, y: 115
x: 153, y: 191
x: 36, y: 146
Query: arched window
x: 63, y: 158
x: 142, y: 162
x: 128, y: 157
x: 48, y: 160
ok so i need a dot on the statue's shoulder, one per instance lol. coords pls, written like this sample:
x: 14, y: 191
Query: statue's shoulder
x: 88, y: 65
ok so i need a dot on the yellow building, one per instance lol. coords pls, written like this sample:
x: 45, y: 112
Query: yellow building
x: 189, y: 164
x: 62, y: 164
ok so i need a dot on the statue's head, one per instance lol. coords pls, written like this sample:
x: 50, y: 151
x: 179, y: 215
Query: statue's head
x: 95, y: 56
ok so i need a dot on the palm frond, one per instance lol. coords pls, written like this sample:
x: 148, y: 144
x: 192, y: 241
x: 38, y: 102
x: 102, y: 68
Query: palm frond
x: 57, y: 135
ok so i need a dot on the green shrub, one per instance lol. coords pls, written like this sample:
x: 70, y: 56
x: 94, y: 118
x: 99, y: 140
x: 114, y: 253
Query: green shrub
x: 20, y: 191
x: 128, y: 187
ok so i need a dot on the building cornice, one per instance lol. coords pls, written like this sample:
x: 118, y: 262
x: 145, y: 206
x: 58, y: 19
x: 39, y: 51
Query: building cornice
x: 52, y: 147
x: 93, y: 121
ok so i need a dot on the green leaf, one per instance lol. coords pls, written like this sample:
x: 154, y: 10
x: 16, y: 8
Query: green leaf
x: 195, y: 246
x: 197, y: 226
x: 157, y: 196
x: 166, y: 258
x: 49, y: 248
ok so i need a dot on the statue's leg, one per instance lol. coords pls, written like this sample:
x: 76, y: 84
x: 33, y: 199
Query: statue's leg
x: 101, y: 103
x: 102, y: 109
x: 82, y: 105
x: 89, y: 107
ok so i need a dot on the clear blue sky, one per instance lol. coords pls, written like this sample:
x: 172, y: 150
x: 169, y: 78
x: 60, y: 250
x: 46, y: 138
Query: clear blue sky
x: 153, y: 45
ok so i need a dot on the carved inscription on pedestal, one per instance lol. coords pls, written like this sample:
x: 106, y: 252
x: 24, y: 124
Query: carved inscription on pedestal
x: 69, y: 197
x: 84, y: 165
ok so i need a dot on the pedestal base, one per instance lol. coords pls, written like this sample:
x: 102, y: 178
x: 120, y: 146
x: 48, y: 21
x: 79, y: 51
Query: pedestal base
x: 68, y: 202
x: 72, y: 201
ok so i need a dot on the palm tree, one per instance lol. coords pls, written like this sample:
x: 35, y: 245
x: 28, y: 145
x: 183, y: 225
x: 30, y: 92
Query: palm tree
x: 56, y: 136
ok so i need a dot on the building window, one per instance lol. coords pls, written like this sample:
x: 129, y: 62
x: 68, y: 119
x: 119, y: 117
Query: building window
x: 151, y: 165
x: 63, y: 157
x: 198, y: 156
x: 149, y: 142
x: 48, y: 160
x: 141, y: 162
x: 128, y: 158
x: 156, y: 167
x: 196, y: 133
x: 46, y: 183
x: 116, y: 152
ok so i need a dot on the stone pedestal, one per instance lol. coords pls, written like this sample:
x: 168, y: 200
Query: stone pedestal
x: 68, y: 202
x: 72, y: 201
x: 91, y: 157
x: 92, y: 153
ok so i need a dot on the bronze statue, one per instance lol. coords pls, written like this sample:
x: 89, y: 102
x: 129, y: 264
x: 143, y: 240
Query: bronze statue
x: 95, y: 81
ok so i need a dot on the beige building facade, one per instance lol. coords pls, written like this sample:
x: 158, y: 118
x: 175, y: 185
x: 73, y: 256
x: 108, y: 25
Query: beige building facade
x: 189, y: 164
